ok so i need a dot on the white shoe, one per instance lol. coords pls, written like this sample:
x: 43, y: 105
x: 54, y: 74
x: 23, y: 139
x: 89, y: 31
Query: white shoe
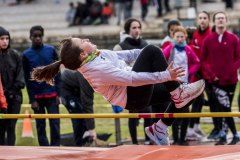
x: 90, y: 133
x: 191, y: 134
x: 197, y: 129
x: 187, y: 92
x: 200, y: 132
x: 157, y: 134
x: 147, y: 143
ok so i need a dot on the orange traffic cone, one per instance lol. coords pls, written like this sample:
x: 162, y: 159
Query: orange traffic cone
x: 27, y: 127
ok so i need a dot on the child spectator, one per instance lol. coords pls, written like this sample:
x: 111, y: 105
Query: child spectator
x: 182, y: 55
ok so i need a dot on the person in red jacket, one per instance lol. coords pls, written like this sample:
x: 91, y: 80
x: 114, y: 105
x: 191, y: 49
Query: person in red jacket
x: 3, y: 101
x: 203, y: 30
x: 220, y: 60
x: 106, y: 12
x: 181, y: 54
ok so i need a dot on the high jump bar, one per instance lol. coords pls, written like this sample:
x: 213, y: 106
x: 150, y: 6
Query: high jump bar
x: 123, y: 115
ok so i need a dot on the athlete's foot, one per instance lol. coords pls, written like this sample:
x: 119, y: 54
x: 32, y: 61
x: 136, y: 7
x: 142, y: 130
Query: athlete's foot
x: 187, y: 92
x: 158, y: 134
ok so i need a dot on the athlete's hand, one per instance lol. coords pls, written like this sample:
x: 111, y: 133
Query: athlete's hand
x: 175, y: 72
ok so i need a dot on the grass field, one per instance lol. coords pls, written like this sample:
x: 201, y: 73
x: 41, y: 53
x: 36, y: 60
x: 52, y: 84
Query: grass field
x: 102, y: 125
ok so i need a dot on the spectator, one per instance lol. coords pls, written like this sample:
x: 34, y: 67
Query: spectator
x: 128, y: 6
x: 13, y: 81
x: 160, y: 8
x: 170, y: 27
x: 123, y: 7
x: 193, y: 3
x: 43, y: 97
x: 220, y: 61
x: 3, y: 101
x: 106, y: 12
x: 82, y: 11
x: 133, y: 40
x: 95, y: 14
x: 70, y: 14
x: 77, y: 96
x: 182, y: 55
x: 3, y: 110
x: 190, y: 31
x: 203, y: 30
x: 144, y: 9
x: 132, y: 36
x: 229, y: 4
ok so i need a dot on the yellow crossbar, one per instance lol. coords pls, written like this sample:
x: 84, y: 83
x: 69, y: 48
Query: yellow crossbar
x: 123, y: 115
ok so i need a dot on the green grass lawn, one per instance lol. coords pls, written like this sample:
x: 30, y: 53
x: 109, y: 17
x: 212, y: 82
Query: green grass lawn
x: 102, y: 125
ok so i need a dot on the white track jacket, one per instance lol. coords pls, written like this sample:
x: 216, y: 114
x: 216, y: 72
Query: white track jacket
x: 109, y: 75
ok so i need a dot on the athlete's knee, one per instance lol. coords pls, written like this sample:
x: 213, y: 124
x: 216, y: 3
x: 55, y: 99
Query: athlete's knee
x: 153, y: 48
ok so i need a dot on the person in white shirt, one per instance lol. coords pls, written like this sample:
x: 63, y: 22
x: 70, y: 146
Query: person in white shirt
x: 130, y: 88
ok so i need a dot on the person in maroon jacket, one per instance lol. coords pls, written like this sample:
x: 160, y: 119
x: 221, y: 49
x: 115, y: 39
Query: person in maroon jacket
x: 220, y: 60
x: 203, y: 30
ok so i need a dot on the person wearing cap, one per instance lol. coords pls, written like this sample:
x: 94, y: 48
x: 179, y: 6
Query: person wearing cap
x: 12, y: 81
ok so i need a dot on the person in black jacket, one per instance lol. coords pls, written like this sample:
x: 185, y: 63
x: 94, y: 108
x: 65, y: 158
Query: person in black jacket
x: 133, y: 40
x: 11, y: 72
x: 131, y: 37
x: 77, y: 96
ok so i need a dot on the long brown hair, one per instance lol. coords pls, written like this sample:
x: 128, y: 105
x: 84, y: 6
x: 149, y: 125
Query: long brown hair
x: 69, y: 55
